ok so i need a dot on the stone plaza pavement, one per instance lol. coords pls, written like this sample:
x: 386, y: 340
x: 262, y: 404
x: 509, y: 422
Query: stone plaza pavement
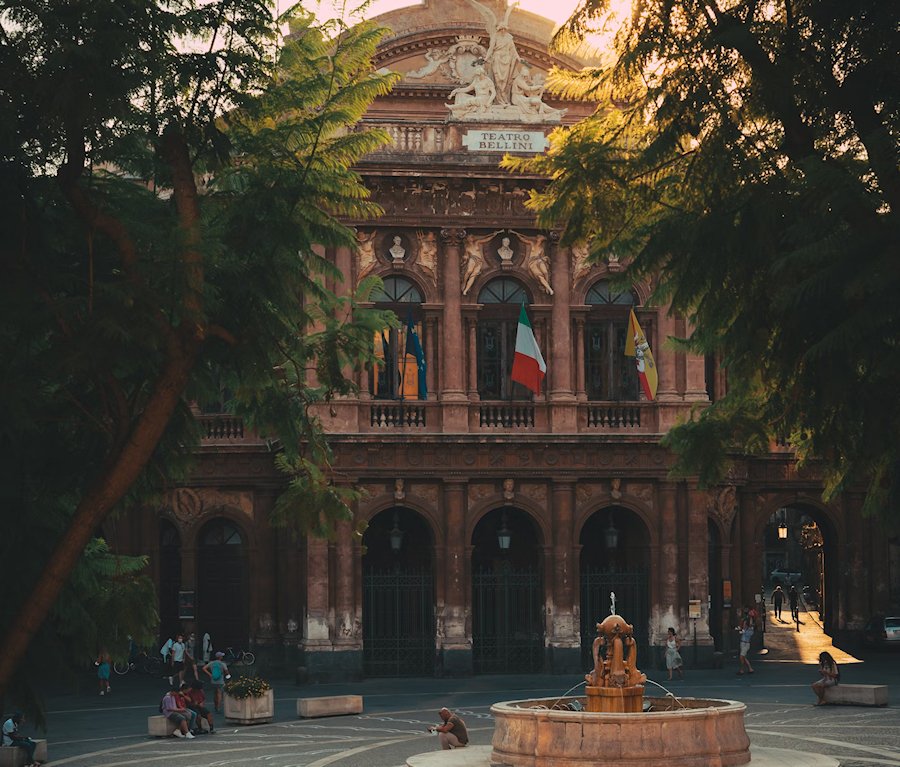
x: 86, y: 730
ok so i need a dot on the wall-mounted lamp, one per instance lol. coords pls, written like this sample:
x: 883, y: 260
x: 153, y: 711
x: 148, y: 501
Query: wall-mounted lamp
x: 782, y: 531
x: 612, y: 535
x: 504, y: 535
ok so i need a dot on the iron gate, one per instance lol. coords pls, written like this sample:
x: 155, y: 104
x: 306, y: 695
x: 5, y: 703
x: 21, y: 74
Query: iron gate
x: 398, y: 623
x: 507, y: 621
x: 632, y: 603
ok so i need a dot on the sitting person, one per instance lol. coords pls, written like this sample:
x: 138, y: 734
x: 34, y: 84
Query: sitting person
x: 195, y: 698
x: 452, y: 732
x: 11, y: 737
x: 174, y: 709
x: 830, y: 676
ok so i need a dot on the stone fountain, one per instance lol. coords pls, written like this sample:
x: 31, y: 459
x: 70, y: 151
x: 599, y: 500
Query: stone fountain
x: 615, y: 725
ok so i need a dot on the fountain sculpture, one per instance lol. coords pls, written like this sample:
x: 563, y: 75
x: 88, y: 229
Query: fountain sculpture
x: 616, y: 725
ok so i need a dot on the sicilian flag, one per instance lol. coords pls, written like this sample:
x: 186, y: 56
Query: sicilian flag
x: 414, y: 347
x: 636, y: 346
x: 528, y: 366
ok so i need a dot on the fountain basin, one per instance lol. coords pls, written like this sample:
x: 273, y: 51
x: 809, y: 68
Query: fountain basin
x: 699, y: 732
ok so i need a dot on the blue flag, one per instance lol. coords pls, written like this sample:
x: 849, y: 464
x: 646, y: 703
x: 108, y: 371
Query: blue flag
x: 415, y: 348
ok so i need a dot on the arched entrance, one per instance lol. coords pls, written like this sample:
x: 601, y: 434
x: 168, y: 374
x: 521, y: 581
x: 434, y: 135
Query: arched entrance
x: 223, y: 607
x: 800, y: 550
x: 169, y: 579
x: 398, y: 595
x: 615, y: 558
x: 507, y: 601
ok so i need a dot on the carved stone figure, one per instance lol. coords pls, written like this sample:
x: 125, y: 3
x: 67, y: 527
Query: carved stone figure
x: 397, y: 251
x: 428, y: 248
x: 509, y: 486
x: 528, y: 93
x: 365, y: 253
x: 536, y: 261
x: 581, y: 253
x: 474, y: 261
x: 474, y: 99
x: 502, y: 58
x: 619, y: 668
x: 399, y: 491
x: 505, y: 252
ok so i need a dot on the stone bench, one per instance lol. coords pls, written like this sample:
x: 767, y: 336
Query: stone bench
x: 13, y: 756
x: 160, y: 727
x: 334, y: 705
x: 857, y: 694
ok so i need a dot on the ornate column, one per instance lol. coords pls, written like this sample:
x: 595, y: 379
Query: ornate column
x: 430, y: 340
x: 560, y: 356
x: 668, y: 555
x: 697, y: 561
x: 580, y: 392
x: 472, y: 357
x: 665, y: 359
x: 565, y: 642
x: 695, y: 375
x: 457, y: 645
x: 316, y: 642
x: 453, y: 395
x: 346, y: 632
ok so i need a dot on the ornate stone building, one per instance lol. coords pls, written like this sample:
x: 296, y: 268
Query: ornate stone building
x: 497, y: 523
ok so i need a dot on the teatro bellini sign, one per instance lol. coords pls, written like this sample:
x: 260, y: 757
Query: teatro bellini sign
x: 529, y: 142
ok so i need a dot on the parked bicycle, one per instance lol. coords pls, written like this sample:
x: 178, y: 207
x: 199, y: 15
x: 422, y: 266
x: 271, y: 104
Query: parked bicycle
x: 241, y: 657
x: 145, y: 663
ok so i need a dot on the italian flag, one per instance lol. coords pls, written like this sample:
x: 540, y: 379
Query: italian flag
x: 528, y: 367
x: 636, y: 346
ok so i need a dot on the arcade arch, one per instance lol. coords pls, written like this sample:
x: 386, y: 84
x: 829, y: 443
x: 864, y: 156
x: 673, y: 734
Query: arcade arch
x: 615, y: 558
x: 398, y: 595
x: 223, y: 588
x: 507, y: 594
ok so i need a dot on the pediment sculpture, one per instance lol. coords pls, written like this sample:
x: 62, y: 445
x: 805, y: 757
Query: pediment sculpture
x: 495, y: 83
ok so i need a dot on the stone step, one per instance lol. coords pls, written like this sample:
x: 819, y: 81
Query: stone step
x: 13, y: 756
x: 480, y: 756
x: 160, y: 727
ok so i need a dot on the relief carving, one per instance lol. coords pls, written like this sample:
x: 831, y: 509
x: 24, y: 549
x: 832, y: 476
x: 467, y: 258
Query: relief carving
x: 428, y: 493
x: 583, y: 493
x: 534, y: 491
x: 480, y: 491
x: 641, y: 491
x: 427, y: 260
x: 722, y: 503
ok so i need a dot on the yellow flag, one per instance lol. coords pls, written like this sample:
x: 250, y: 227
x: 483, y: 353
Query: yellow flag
x: 636, y: 346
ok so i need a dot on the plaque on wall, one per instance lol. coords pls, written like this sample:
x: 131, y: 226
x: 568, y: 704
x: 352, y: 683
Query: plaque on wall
x: 186, y: 605
x: 528, y: 142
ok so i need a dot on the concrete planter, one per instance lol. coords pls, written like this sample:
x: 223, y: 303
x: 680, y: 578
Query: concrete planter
x: 250, y: 710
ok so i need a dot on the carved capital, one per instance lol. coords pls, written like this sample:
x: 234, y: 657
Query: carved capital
x: 453, y: 236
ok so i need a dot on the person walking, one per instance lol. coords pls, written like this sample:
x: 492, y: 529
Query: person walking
x: 452, y: 732
x: 830, y: 675
x: 103, y: 666
x: 178, y: 650
x: 777, y: 602
x: 746, y: 631
x: 794, y: 601
x: 673, y: 656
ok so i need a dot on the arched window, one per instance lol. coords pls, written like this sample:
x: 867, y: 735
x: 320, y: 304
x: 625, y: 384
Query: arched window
x: 223, y: 584
x: 398, y: 374
x: 608, y: 373
x: 497, y: 325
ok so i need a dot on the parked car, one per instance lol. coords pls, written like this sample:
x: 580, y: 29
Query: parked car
x: 810, y: 595
x: 781, y: 577
x: 882, y: 631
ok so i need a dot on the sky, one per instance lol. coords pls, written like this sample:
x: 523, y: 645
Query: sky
x: 558, y: 10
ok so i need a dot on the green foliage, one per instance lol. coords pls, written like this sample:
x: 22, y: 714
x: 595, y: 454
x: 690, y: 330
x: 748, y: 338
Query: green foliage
x: 169, y: 170
x: 745, y: 156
